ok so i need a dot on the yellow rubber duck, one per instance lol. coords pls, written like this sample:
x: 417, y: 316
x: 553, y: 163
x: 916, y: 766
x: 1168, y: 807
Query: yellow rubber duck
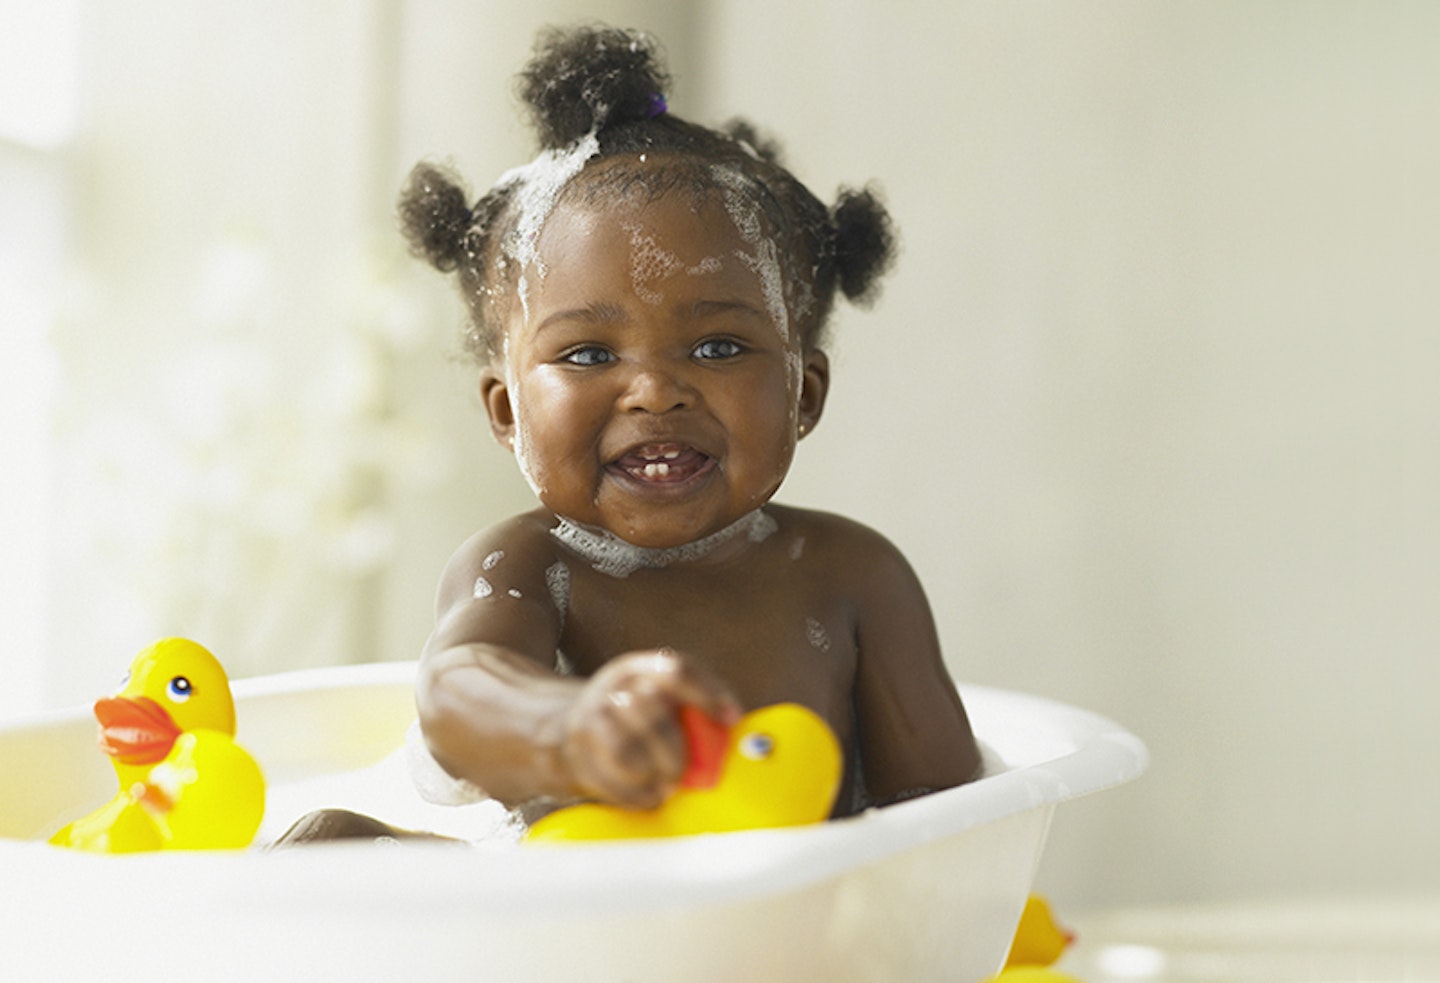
x: 778, y: 766
x: 184, y: 782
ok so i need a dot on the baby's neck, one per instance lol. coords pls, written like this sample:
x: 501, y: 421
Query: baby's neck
x: 609, y: 554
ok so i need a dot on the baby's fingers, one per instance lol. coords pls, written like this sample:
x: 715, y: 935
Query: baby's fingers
x: 626, y: 748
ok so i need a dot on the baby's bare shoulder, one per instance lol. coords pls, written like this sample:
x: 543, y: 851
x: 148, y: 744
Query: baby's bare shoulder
x: 513, y: 554
x: 837, y: 545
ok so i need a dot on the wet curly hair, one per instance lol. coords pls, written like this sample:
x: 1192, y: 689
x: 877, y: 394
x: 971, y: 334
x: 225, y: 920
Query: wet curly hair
x: 598, y: 94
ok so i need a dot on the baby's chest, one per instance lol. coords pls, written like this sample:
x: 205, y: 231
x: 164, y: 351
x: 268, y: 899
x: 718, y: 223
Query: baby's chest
x: 770, y: 640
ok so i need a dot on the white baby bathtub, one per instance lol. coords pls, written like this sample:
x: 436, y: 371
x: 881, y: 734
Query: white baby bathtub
x: 926, y: 890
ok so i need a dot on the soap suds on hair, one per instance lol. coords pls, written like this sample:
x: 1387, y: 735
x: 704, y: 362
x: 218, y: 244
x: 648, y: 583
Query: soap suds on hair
x: 538, y: 185
x: 491, y: 559
x: 609, y: 554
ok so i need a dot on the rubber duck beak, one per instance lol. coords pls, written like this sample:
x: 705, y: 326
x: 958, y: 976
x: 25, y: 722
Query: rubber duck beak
x: 707, y: 740
x: 135, y: 731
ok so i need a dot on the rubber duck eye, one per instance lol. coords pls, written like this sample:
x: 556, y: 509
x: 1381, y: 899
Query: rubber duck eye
x: 179, y: 689
x: 757, y: 747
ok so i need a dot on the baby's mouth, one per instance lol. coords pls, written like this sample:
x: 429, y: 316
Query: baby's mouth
x: 663, y: 464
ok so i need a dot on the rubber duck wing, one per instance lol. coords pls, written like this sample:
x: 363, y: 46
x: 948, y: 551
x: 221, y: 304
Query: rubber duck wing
x: 216, y: 789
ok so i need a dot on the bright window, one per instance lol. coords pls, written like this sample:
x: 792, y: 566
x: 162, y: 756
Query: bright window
x: 39, y: 83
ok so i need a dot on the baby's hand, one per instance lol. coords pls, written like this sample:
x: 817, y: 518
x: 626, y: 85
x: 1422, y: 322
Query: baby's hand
x: 622, y: 742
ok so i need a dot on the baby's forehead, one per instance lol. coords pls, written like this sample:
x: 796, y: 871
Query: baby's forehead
x: 666, y: 252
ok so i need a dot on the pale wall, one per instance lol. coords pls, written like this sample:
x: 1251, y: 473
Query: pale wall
x: 1151, y: 400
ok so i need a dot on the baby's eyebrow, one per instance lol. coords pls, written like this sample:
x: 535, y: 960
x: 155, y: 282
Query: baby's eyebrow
x: 598, y: 312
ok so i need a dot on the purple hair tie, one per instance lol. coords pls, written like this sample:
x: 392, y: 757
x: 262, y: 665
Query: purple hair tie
x: 657, y: 105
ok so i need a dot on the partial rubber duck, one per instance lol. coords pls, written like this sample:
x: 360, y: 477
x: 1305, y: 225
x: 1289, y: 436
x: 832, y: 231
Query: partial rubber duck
x: 777, y: 766
x: 1031, y: 974
x: 1039, y: 938
x: 184, y: 782
x: 1039, y: 941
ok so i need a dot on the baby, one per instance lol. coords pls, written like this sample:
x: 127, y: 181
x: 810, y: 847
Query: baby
x: 648, y: 300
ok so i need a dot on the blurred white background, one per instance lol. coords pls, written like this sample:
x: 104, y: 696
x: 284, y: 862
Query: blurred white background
x: 1152, y: 400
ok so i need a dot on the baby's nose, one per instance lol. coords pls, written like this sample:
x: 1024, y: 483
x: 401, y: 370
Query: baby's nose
x: 656, y: 389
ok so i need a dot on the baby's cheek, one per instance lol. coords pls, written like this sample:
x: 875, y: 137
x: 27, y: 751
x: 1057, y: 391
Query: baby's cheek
x: 548, y: 428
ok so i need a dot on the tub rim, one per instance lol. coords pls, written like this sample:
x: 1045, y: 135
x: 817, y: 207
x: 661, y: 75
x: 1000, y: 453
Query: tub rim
x: 623, y: 876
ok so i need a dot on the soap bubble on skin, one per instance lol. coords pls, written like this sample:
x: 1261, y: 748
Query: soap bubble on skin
x: 483, y: 589
x: 794, y: 379
x: 766, y: 266
x: 816, y: 634
x: 764, y: 261
x: 519, y: 440
x: 520, y: 444
x: 607, y: 553
x: 649, y: 262
x: 557, y: 582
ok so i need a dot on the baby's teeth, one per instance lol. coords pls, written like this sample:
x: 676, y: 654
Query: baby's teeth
x: 657, y: 469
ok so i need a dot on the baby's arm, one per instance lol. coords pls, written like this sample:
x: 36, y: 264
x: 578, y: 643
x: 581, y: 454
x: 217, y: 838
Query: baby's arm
x: 914, y: 733
x: 494, y: 712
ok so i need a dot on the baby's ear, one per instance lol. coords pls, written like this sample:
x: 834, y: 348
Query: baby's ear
x: 495, y: 393
x: 814, y: 386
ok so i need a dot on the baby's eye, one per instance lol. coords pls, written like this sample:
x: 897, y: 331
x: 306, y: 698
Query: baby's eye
x: 718, y: 348
x: 588, y: 355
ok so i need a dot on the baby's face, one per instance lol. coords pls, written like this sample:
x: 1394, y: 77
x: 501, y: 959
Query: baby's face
x: 648, y: 388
